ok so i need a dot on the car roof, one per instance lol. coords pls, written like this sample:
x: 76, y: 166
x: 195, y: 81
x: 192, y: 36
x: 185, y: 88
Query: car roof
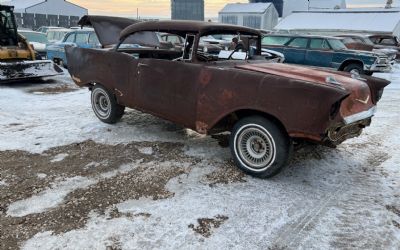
x: 183, y: 27
x: 31, y: 31
x: 303, y: 36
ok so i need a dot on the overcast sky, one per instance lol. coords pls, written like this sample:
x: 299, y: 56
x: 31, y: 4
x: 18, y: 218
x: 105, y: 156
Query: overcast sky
x: 161, y: 8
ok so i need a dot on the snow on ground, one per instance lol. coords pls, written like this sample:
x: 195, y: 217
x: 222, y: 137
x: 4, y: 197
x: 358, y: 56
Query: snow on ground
x: 326, y: 199
x: 56, y: 194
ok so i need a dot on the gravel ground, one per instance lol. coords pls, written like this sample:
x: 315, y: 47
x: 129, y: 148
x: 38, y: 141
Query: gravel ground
x: 67, y: 181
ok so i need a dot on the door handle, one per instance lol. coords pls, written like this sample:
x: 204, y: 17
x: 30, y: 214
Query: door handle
x: 143, y: 64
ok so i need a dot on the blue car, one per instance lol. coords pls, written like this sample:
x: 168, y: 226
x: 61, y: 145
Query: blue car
x: 323, y: 51
x: 78, y: 38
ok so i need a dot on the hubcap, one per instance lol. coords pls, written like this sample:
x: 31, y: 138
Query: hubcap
x: 355, y: 71
x: 101, y: 103
x: 255, y: 147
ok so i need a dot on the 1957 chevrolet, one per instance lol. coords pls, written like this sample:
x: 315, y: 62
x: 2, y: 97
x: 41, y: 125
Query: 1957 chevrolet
x: 266, y: 106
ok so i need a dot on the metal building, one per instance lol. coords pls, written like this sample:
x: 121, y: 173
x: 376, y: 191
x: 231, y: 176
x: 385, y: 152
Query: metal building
x: 35, y: 13
x: 187, y: 10
x: 286, y: 7
x: 253, y: 15
x: 277, y: 3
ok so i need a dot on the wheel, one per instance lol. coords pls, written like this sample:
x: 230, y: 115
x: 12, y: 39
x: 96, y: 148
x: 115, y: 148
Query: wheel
x: 354, y: 68
x: 105, y: 105
x: 259, y: 147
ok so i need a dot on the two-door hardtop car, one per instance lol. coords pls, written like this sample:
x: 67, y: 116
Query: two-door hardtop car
x: 266, y: 106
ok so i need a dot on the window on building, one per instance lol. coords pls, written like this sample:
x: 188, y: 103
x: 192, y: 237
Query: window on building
x: 252, y: 22
x: 230, y: 19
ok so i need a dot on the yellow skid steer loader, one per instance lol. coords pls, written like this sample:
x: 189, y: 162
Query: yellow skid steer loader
x: 17, y: 57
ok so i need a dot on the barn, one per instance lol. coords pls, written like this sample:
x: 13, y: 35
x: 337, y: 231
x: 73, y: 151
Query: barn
x: 253, y: 15
x: 36, y: 13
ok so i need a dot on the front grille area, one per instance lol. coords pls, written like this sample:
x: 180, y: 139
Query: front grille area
x: 338, y: 134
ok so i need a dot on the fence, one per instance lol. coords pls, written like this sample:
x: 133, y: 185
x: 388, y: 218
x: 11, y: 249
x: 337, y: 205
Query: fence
x: 34, y: 21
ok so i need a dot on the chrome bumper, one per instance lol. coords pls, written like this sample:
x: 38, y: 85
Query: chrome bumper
x: 360, y: 116
x: 379, y: 68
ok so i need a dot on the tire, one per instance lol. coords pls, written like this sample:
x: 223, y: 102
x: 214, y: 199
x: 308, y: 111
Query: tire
x: 259, y: 147
x: 354, y: 67
x: 369, y: 73
x: 105, y: 105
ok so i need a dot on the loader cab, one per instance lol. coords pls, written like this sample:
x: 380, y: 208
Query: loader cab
x: 8, y: 27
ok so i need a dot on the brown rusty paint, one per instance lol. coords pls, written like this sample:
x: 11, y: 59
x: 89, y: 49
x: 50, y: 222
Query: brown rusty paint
x: 198, y: 95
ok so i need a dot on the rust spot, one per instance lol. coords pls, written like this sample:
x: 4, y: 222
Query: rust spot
x: 201, y: 127
x: 76, y: 79
x: 119, y: 92
x: 205, y: 77
x: 227, y: 94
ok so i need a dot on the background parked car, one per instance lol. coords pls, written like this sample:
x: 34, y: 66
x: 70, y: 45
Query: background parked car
x: 363, y: 42
x: 56, y: 35
x: 386, y: 41
x: 322, y: 51
x: 44, y: 29
x: 77, y: 38
x: 38, y: 40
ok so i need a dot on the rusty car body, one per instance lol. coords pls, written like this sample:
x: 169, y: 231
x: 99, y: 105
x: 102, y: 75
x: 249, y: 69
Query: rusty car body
x: 266, y: 106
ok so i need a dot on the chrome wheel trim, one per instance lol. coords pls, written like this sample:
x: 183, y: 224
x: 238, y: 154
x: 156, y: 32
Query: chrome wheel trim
x: 355, y: 72
x: 254, y: 147
x: 101, y: 103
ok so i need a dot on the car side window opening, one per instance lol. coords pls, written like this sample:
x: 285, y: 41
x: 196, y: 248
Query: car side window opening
x: 188, y: 49
x: 81, y: 38
x: 70, y: 38
x: 275, y: 40
x: 300, y: 43
x: 388, y: 41
x: 319, y: 43
x: 93, y: 39
x: 336, y: 44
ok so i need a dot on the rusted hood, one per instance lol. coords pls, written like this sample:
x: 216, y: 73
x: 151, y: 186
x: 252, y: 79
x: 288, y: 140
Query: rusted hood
x: 301, y: 73
x: 360, y: 94
x: 108, y: 29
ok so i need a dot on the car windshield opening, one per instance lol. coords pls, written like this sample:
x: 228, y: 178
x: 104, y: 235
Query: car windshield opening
x: 230, y: 47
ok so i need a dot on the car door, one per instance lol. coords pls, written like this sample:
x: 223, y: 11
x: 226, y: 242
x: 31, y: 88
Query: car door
x: 168, y: 89
x: 319, y: 53
x: 295, y: 50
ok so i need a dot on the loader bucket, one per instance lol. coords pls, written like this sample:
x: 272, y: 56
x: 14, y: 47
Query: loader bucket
x: 19, y: 70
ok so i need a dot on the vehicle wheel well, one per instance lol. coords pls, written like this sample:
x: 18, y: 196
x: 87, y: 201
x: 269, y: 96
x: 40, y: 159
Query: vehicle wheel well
x: 348, y: 62
x: 227, y: 122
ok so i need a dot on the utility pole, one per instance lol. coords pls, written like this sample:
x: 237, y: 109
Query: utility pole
x: 389, y: 4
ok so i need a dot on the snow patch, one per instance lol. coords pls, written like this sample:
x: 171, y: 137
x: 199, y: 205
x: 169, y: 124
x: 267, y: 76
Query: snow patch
x: 49, y: 198
x: 146, y: 150
x: 56, y: 194
x: 58, y: 158
x: 41, y: 175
